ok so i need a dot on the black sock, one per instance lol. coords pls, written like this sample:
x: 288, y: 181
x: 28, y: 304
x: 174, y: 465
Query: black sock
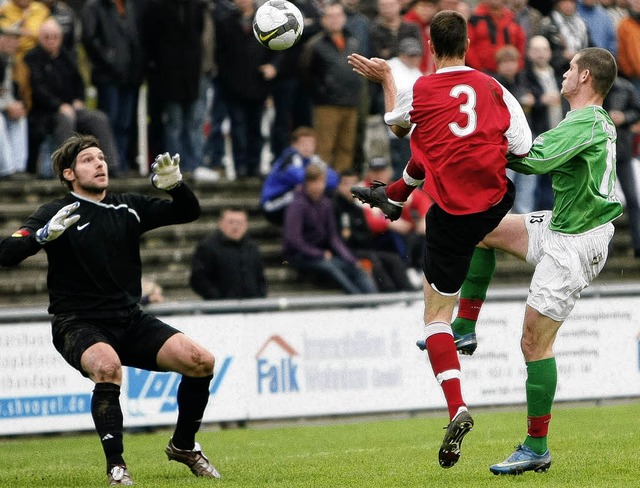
x: 193, y: 395
x: 107, y: 417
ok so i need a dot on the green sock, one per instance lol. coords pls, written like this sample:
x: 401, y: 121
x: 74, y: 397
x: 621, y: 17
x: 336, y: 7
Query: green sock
x: 474, y: 290
x: 542, y: 377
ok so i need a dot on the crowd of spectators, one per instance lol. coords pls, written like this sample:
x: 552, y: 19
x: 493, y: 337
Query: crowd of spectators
x: 206, y: 67
x: 207, y: 79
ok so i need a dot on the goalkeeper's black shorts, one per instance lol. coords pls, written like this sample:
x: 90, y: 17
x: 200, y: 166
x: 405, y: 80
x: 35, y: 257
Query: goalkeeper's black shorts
x: 136, y: 336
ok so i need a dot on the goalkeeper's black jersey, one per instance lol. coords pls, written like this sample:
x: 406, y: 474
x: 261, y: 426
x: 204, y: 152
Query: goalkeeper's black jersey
x: 95, y: 264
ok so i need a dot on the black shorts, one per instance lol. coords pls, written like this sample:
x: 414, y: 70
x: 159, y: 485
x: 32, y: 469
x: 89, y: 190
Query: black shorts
x: 451, y: 240
x: 135, y: 335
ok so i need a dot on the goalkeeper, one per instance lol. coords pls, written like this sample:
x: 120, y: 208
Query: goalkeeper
x: 92, y: 241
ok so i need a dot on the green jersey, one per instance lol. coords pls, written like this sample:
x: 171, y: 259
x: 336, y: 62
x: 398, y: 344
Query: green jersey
x: 580, y: 156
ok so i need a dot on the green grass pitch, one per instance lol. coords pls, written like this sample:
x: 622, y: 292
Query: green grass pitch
x: 592, y: 446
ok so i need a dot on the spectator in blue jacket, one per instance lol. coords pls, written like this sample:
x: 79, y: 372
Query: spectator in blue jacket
x: 600, y: 24
x: 288, y: 173
x: 311, y: 243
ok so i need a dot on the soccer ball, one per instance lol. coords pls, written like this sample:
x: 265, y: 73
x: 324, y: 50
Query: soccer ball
x: 278, y: 24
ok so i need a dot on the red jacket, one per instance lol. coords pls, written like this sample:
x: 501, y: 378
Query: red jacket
x: 427, y: 64
x: 487, y: 34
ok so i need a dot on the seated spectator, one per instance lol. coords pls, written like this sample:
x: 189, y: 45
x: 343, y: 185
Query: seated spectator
x: 13, y: 113
x: 419, y: 203
x: 227, y: 264
x: 387, y: 235
x: 389, y: 270
x: 58, y: 107
x: 311, y: 242
x: 151, y: 292
x: 287, y: 174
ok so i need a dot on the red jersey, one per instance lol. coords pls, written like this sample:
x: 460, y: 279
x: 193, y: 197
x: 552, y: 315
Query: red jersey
x: 465, y: 122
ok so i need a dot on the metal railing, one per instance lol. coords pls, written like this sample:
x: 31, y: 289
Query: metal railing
x: 194, y: 307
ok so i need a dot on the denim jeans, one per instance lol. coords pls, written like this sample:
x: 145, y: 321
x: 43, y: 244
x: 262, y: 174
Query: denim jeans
x: 293, y: 108
x: 350, y: 277
x: 246, y: 135
x: 184, y: 131
x: 214, y: 146
x: 118, y: 102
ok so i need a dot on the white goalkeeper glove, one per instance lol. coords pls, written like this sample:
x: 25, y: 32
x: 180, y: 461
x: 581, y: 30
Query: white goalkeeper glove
x: 58, y: 224
x: 166, y: 171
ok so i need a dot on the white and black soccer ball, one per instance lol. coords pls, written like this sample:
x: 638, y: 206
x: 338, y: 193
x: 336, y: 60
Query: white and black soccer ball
x: 278, y: 24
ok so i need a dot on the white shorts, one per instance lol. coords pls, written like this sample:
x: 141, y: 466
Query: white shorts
x: 565, y: 264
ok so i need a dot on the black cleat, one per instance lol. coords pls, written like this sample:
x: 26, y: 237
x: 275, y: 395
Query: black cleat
x: 460, y: 426
x: 376, y: 196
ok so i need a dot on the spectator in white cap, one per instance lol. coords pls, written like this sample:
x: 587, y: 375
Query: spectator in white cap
x: 406, y: 70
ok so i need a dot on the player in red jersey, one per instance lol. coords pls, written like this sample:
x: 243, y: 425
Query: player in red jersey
x: 464, y: 123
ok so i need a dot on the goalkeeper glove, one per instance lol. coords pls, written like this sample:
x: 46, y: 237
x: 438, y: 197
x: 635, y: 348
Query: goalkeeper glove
x: 166, y: 171
x: 58, y: 224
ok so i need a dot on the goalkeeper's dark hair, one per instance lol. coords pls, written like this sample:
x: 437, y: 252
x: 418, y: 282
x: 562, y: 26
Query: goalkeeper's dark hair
x: 65, y: 156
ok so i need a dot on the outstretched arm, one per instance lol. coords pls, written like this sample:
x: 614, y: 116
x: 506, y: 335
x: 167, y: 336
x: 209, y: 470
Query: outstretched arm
x: 378, y: 70
x: 26, y: 241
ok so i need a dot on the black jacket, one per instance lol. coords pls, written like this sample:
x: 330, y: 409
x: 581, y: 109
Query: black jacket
x: 325, y: 71
x: 624, y: 97
x: 95, y: 264
x: 175, y: 56
x: 113, y: 43
x: 54, y: 81
x: 222, y: 268
x: 350, y: 215
x: 239, y: 56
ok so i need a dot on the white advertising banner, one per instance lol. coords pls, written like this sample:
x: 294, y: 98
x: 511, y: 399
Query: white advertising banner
x: 324, y: 362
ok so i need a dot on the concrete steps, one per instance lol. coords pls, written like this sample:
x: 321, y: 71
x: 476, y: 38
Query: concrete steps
x: 166, y: 252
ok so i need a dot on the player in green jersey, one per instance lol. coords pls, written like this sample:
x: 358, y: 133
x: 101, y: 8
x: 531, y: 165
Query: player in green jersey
x: 568, y: 246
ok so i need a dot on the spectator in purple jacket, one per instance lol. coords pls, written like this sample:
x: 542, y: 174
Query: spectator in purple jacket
x: 311, y: 242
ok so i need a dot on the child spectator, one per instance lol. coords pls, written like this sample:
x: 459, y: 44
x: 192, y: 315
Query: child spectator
x: 288, y: 172
x: 311, y: 243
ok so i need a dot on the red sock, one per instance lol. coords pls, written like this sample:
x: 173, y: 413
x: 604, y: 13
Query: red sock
x: 399, y: 190
x: 538, y: 426
x: 469, y: 308
x: 444, y: 357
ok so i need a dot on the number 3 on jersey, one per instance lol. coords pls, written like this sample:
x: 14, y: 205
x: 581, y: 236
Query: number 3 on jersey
x: 467, y: 108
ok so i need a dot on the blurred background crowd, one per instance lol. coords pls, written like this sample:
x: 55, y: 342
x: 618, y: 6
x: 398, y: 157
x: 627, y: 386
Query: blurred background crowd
x: 188, y: 77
